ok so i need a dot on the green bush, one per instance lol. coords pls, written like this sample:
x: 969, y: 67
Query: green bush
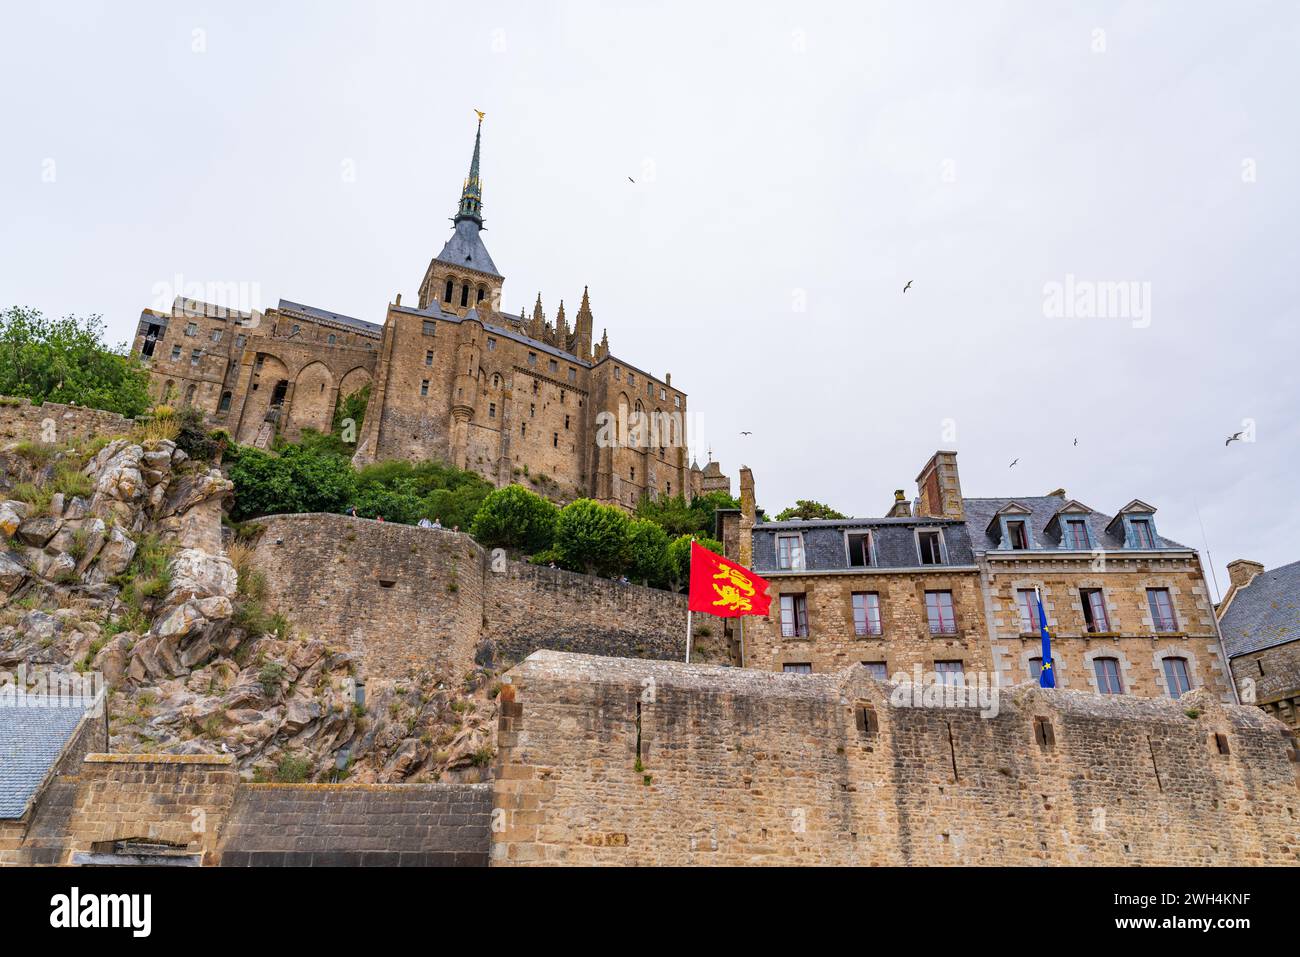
x: 646, y: 552
x: 591, y: 537
x: 194, y: 439
x: 513, y: 517
x: 292, y: 769
x: 679, y: 559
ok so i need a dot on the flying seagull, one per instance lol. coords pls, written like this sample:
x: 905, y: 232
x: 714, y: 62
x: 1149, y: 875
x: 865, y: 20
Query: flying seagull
x: 631, y: 180
x: 1076, y: 440
x: 908, y: 286
x: 1235, y: 437
x: 746, y: 433
x: 1013, y: 464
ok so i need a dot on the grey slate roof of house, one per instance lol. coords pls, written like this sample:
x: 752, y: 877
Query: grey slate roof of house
x: 1265, y: 613
x: 465, y: 248
x: 895, y: 542
x: 31, y: 740
x: 315, y: 313
x: 980, y: 512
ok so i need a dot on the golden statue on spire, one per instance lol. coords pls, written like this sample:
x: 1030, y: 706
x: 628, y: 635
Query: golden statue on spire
x: 481, y: 114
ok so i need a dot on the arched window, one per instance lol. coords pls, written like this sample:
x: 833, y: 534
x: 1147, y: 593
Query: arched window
x: 464, y: 294
x: 224, y: 405
x: 481, y: 293
x: 446, y: 293
x: 189, y: 394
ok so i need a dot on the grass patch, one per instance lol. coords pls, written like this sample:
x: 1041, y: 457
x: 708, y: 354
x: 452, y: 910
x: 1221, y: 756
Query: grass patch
x: 292, y: 769
x: 37, y: 496
x: 256, y: 620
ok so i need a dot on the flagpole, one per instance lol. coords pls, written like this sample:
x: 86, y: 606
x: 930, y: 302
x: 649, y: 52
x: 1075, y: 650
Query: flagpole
x: 689, y: 561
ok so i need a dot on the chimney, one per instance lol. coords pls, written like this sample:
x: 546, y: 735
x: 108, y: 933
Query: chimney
x: 746, y: 549
x: 901, y: 508
x: 939, y: 488
x: 1243, y: 571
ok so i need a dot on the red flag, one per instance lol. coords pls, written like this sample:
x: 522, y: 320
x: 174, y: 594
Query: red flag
x: 721, y: 587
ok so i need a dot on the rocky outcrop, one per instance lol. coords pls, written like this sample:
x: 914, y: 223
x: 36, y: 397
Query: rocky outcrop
x: 130, y: 579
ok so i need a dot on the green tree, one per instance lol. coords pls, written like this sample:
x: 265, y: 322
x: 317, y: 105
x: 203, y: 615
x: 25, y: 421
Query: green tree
x: 352, y: 406
x: 299, y: 478
x: 591, y: 537
x: 679, y: 559
x: 66, y: 360
x: 806, y: 509
x: 646, y: 553
x: 677, y: 517
x: 513, y: 517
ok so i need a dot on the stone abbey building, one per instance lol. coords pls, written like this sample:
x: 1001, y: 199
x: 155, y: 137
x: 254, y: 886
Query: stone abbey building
x: 512, y: 397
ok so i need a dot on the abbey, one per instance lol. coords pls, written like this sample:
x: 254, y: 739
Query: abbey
x: 513, y: 397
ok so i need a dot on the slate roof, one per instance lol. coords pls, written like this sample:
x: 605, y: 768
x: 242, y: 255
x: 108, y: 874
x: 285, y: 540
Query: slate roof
x: 895, y: 542
x: 465, y: 248
x: 1265, y: 613
x: 435, y: 310
x: 31, y: 740
x: 980, y: 512
x: 315, y: 313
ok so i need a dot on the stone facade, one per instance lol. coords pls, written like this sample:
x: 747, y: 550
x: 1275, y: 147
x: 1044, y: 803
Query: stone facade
x: 1131, y: 638
x: 54, y: 423
x: 513, y: 397
x: 905, y: 639
x: 402, y: 599
x: 605, y: 761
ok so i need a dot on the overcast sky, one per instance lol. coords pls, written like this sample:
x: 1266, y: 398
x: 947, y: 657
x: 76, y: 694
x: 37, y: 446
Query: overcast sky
x: 795, y: 165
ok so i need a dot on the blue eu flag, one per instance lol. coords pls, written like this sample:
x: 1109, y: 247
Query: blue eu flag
x: 1046, y: 677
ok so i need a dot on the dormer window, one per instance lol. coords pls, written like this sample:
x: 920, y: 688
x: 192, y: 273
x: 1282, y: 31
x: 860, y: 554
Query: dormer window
x: 1136, y: 525
x: 789, y: 552
x: 860, y: 549
x: 1076, y: 533
x: 1010, y: 528
x: 930, y: 548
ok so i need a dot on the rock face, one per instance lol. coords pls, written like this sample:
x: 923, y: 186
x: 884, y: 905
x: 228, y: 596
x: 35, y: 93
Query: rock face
x: 132, y: 581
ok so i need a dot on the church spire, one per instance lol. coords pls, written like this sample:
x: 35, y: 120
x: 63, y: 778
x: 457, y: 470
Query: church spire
x: 471, y: 195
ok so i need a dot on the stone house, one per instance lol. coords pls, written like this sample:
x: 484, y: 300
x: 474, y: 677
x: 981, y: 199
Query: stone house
x: 951, y: 583
x: 1261, y: 635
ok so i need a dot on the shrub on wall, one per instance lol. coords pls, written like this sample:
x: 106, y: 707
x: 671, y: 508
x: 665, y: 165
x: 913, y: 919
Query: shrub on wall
x: 513, y: 517
x: 297, y: 479
x: 591, y: 537
x: 646, y: 553
x: 679, y: 559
